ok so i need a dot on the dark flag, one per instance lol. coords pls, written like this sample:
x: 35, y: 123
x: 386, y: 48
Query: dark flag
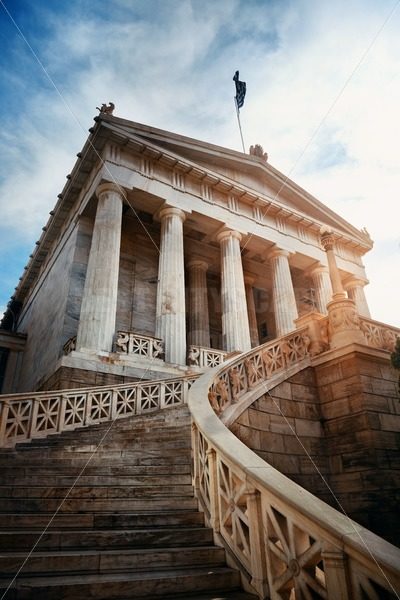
x: 240, y: 90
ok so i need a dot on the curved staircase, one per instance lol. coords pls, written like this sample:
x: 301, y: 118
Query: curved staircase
x: 129, y: 527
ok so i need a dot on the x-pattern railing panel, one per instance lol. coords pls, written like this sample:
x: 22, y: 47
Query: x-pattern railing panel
x: 23, y: 417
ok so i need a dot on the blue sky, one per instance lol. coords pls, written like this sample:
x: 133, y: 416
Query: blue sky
x: 309, y: 65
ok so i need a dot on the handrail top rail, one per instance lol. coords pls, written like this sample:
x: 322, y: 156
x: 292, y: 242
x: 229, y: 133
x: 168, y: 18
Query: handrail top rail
x: 342, y: 531
x: 91, y: 389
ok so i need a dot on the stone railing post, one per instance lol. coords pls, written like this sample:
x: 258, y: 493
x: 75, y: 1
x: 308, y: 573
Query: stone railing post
x: 259, y: 575
x: 214, y: 505
x: 336, y: 576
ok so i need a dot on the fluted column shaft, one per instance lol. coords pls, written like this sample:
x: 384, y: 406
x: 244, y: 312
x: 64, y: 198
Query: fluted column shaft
x: 283, y: 297
x: 355, y: 291
x: 323, y: 288
x: 99, y: 303
x: 235, y: 323
x: 170, y: 309
x: 199, y: 325
x: 328, y: 243
x: 251, y: 311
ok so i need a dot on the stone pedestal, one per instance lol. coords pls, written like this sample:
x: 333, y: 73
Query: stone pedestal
x: 322, y: 286
x: 283, y: 297
x: 170, y: 308
x: 99, y: 303
x: 235, y: 323
x: 251, y: 311
x: 199, y: 327
x: 355, y: 291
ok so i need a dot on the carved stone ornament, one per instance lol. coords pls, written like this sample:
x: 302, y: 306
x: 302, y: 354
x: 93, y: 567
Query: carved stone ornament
x: 222, y: 392
x: 258, y: 150
x: 234, y: 378
x: 106, y: 110
x: 193, y: 356
x: 344, y: 316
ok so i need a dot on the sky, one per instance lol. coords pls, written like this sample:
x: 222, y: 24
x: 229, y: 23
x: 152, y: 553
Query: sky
x: 323, y: 98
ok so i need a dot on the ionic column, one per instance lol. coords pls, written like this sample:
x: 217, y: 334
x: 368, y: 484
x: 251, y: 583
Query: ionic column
x: 99, y: 303
x: 170, y: 308
x: 322, y: 286
x: 199, y: 326
x: 283, y: 297
x: 251, y: 311
x: 355, y: 291
x: 328, y: 242
x: 235, y: 323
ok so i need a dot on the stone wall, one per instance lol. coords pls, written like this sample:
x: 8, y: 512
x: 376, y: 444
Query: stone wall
x: 360, y: 408
x: 42, y: 318
x: 337, y: 426
x: 284, y: 428
x: 68, y: 378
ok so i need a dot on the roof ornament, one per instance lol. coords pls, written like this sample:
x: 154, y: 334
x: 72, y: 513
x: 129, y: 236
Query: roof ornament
x: 106, y: 110
x: 258, y: 150
x: 365, y: 232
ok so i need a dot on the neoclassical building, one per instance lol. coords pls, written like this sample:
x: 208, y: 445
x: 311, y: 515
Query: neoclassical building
x: 161, y: 246
x: 188, y: 361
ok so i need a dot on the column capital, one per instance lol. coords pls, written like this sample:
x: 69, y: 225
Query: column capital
x: 103, y: 188
x: 354, y: 281
x: 228, y: 233
x: 249, y: 279
x: 327, y: 239
x: 197, y: 263
x: 317, y: 269
x: 170, y: 211
x: 275, y: 252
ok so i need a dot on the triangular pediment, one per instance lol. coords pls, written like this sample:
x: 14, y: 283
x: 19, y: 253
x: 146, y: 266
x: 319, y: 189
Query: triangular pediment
x: 247, y: 170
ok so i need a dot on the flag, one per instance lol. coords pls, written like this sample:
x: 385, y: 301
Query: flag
x: 240, y: 90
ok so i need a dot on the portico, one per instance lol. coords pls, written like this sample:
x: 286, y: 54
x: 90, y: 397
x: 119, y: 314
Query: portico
x: 176, y: 247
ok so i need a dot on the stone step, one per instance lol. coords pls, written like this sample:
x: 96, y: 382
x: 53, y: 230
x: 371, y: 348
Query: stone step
x: 61, y: 480
x: 95, y: 492
x: 96, y: 505
x: 177, y: 518
x: 122, y: 459
x: 100, y: 561
x: 125, y: 586
x: 17, y: 473
x: 156, y: 451
x: 160, y: 537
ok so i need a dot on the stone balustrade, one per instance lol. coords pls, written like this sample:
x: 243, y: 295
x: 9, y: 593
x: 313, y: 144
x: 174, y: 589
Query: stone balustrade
x: 27, y: 416
x: 249, y: 370
x: 289, y: 542
x: 128, y: 342
x: 379, y: 335
x: 199, y: 356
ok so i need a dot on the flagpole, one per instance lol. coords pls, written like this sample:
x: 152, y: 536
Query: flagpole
x: 240, y: 126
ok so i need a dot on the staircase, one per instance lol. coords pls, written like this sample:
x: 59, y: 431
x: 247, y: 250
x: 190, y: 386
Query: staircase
x: 128, y: 527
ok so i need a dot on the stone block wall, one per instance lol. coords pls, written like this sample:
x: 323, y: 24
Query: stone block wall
x: 68, y: 378
x: 335, y: 429
x: 360, y: 411
x: 284, y: 428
